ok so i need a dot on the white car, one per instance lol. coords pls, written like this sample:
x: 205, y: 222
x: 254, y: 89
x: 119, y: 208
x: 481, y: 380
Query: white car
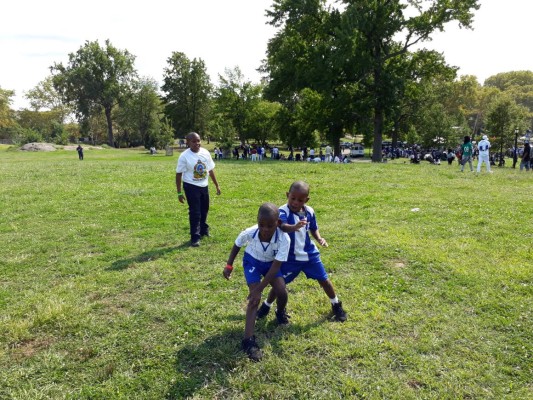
x: 357, y: 150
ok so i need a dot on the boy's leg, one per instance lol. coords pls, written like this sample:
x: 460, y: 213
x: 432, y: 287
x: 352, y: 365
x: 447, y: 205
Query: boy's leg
x: 204, y: 210
x: 249, y: 344
x: 264, y: 309
x: 336, y: 305
x: 289, y: 272
x: 251, y: 310
x: 193, y: 196
x: 278, y: 286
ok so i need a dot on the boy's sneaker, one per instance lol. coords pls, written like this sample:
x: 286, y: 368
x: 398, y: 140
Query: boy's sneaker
x: 263, y: 311
x: 282, y: 317
x: 251, y: 348
x: 338, y: 312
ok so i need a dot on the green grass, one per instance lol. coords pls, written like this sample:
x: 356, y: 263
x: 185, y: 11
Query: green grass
x: 101, y: 297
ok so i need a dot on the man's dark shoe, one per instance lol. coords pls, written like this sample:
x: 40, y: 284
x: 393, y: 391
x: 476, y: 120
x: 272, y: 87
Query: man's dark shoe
x: 206, y: 234
x: 195, y: 243
x: 282, y: 317
x: 338, y: 312
x: 250, y: 347
x: 263, y: 311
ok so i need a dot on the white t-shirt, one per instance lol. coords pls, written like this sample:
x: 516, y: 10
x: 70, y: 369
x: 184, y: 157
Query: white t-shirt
x: 276, y: 249
x: 195, y: 167
x: 483, y: 147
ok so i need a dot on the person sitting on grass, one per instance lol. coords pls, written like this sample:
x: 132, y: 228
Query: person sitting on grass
x: 266, y: 248
x: 298, y: 220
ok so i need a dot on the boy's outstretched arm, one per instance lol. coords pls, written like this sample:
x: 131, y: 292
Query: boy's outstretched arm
x: 319, y: 239
x: 288, y: 228
x: 229, y: 265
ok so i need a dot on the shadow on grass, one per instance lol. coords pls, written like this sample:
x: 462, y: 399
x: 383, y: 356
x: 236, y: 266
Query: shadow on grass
x: 198, y: 365
x: 151, y: 255
x: 211, y: 362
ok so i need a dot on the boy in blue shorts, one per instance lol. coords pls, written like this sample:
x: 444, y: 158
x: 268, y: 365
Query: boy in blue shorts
x: 298, y: 220
x: 267, y: 246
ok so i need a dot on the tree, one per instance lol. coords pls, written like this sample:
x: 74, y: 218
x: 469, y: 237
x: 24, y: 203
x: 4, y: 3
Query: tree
x: 138, y: 116
x: 503, y: 117
x: 45, y: 96
x: 235, y: 98
x: 382, y: 32
x: 95, y: 79
x: 6, y: 113
x: 306, y: 54
x: 262, y: 121
x: 44, y: 122
x: 518, y: 84
x: 187, y: 88
x: 348, y: 54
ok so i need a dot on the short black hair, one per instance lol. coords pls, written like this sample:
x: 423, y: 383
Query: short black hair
x: 299, y: 186
x: 268, y: 210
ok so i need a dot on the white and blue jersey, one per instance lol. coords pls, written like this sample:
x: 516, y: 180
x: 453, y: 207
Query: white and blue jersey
x: 302, y: 247
x: 258, y: 255
x: 303, y: 253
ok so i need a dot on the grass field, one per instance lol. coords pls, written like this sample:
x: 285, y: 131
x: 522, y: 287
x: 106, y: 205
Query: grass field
x: 102, y: 298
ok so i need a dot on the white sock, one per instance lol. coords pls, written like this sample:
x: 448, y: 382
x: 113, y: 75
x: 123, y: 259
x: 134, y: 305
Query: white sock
x: 266, y: 303
x: 335, y: 300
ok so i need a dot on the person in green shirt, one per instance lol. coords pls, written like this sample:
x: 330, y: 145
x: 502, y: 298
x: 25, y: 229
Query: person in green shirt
x: 466, y: 153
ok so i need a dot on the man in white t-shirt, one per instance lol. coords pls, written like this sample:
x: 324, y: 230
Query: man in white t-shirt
x: 483, y: 147
x: 194, y: 166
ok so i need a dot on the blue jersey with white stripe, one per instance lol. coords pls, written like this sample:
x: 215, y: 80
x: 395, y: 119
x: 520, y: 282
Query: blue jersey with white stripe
x: 302, y: 248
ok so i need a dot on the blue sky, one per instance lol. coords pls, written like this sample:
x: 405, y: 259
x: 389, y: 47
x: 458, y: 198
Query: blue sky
x: 34, y: 34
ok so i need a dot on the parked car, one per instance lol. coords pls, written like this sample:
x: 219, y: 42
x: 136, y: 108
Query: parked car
x: 357, y: 150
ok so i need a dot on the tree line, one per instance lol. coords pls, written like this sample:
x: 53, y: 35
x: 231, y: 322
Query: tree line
x: 329, y: 71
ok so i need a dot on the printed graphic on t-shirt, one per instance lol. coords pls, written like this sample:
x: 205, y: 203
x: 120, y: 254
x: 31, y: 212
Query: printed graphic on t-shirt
x: 200, y: 170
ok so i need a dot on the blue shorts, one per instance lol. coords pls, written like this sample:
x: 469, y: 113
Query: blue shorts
x: 313, y: 269
x: 254, y: 269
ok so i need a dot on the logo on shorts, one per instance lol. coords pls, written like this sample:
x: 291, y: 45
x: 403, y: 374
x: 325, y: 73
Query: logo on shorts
x: 287, y: 275
x: 251, y: 270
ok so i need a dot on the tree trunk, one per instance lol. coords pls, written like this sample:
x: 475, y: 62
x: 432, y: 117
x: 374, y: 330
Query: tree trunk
x: 378, y: 132
x: 378, y: 108
x: 110, y: 140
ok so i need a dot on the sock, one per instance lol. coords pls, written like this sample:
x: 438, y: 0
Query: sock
x: 334, y: 300
x: 266, y: 303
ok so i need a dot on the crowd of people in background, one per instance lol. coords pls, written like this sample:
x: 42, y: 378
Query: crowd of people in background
x: 465, y: 154
x: 255, y: 152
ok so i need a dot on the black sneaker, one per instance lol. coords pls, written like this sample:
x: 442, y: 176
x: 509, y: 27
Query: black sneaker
x: 338, y: 312
x: 282, y: 317
x: 195, y: 243
x: 263, y: 311
x: 251, y: 348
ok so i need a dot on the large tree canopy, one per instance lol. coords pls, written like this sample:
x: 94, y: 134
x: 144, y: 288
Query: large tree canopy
x: 96, y: 78
x: 349, y: 52
x: 187, y: 89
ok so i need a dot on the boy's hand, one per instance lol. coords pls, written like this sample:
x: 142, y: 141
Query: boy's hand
x: 323, y: 242
x: 301, y: 223
x: 227, y: 272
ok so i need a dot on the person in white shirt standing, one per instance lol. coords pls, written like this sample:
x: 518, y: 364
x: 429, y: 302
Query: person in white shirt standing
x: 328, y: 153
x: 194, y: 166
x: 483, y: 147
